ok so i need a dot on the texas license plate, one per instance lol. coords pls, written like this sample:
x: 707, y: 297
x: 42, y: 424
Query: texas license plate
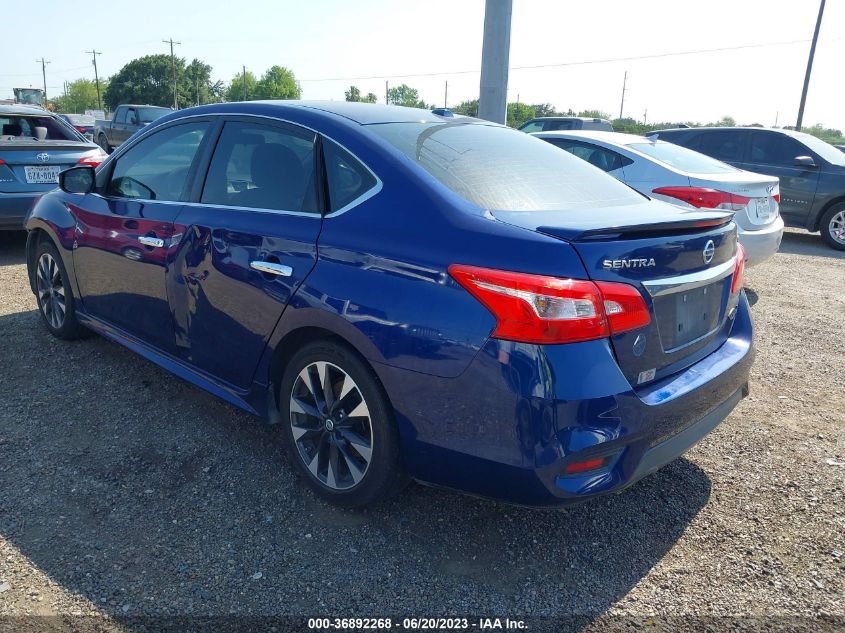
x: 42, y: 174
x: 764, y: 208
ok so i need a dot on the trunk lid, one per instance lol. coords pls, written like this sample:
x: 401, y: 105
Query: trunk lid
x: 753, y: 195
x: 666, y: 253
x: 33, y: 166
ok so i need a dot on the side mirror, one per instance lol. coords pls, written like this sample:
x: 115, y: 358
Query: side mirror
x: 77, y: 179
x: 804, y: 161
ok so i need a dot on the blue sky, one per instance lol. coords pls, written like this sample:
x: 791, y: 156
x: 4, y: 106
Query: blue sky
x: 383, y: 39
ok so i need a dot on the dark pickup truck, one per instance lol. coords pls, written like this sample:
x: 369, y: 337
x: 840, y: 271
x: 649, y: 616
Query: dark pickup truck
x: 127, y: 120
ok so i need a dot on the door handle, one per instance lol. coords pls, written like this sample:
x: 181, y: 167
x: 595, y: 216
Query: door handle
x: 271, y: 268
x: 154, y: 242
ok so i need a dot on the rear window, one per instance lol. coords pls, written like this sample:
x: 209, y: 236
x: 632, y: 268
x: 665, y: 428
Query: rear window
x: 148, y: 115
x: 80, y: 119
x: 25, y: 128
x: 682, y: 158
x: 499, y: 168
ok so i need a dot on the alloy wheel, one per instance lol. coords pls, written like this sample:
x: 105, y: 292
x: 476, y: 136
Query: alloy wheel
x: 331, y: 425
x: 836, y: 227
x: 51, y: 291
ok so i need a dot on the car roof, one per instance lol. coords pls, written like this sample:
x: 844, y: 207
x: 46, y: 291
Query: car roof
x: 612, y: 138
x: 355, y: 112
x: 23, y: 109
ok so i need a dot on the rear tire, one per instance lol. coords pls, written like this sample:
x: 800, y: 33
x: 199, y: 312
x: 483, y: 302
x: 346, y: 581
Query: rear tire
x: 832, y: 226
x: 56, y: 303
x: 338, y: 426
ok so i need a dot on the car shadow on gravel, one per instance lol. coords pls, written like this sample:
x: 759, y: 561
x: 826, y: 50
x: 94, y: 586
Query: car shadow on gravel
x: 148, y: 497
x: 804, y: 243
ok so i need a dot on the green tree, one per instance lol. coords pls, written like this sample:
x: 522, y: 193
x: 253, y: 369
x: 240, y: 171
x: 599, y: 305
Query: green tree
x: 197, y: 87
x: 149, y: 80
x: 519, y: 113
x: 594, y: 114
x: 725, y: 121
x: 544, y: 109
x: 278, y: 83
x: 354, y: 94
x: 242, y: 88
x: 404, y: 95
x: 467, y: 108
x: 81, y: 95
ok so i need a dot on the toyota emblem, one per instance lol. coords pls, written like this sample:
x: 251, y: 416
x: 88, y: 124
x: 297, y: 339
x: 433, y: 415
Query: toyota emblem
x: 709, y: 251
x: 43, y: 157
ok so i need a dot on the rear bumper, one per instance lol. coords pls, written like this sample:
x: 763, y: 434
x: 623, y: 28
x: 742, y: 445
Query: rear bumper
x: 508, y: 426
x: 13, y: 209
x: 763, y: 244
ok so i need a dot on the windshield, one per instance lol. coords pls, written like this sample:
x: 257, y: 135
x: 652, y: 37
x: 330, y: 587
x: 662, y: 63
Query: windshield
x: 148, y: 115
x: 823, y: 149
x: 26, y: 128
x: 682, y: 158
x: 499, y: 168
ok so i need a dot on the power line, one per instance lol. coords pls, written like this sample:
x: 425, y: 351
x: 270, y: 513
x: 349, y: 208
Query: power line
x: 578, y: 63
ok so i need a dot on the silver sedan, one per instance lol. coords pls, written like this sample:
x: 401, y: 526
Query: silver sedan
x: 686, y: 178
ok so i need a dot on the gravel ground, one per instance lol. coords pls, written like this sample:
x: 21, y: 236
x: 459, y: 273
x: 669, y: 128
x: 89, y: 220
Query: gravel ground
x: 125, y: 492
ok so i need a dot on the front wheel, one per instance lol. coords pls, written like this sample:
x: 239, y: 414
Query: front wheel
x: 833, y: 227
x: 338, y: 426
x: 54, y: 295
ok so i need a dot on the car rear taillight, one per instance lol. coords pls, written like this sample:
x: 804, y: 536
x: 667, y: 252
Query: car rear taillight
x: 739, y: 269
x: 540, y: 309
x: 703, y: 198
x: 776, y: 197
x: 80, y: 129
x: 93, y: 159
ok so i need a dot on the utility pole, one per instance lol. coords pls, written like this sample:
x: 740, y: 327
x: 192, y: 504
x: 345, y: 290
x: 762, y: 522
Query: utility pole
x: 386, y: 93
x: 173, y: 64
x: 495, y: 55
x: 95, y: 52
x: 446, y: 96
x: 624, y: 87
x: 244, y: 83
x: 44, y: 63
x: 645, y: 117
x: 809, y: 68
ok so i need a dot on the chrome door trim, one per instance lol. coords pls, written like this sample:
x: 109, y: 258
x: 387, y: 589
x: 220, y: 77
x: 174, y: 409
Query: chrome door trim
x: 682, y: 283
x: 154, y: 242
x: 271, y: 268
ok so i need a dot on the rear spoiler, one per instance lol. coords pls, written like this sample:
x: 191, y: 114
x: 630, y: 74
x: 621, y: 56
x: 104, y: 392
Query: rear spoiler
x: 681, y: 226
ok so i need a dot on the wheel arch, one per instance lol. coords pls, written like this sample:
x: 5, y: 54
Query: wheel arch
x: 816, y: 225
x: 288, y: 345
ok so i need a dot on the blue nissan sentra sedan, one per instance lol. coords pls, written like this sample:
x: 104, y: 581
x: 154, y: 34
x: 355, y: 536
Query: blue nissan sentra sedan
x: 406, y: 295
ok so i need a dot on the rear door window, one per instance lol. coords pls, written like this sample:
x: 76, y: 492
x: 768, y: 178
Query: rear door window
x: 726, y: 146
x: 604, y: 159
x: 120, y: 116
x: 260, y: 166
x: 771, y: 148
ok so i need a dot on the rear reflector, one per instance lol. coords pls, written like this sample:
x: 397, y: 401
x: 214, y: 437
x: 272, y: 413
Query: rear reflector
x: 739, y: 269
x: 703, y: 198
x: 540, y: 309
x: 582, y: 467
